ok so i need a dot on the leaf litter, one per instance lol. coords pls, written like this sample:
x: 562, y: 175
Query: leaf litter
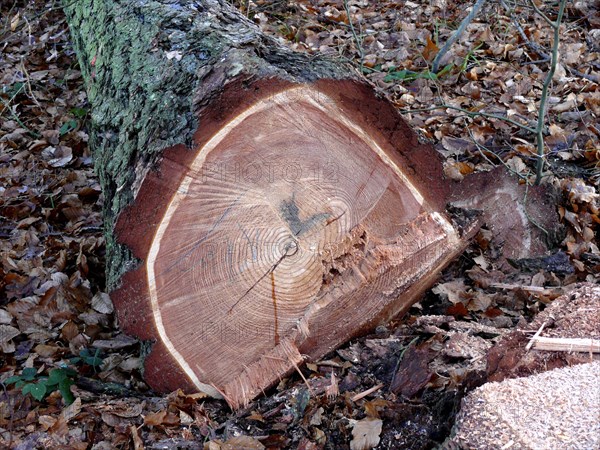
x: 399, y: 387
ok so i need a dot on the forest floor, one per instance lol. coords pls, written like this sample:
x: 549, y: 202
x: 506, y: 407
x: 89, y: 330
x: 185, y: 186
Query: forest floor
x: 71, y: 380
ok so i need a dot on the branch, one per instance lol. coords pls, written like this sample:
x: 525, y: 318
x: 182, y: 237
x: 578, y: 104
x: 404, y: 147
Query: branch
x: 481, y: 148
x: 542, y: 15
x: 565, y: 344
x: 542, y: 112
x: 540, y: 50
x: 461, y: 28
x: 356, y: 39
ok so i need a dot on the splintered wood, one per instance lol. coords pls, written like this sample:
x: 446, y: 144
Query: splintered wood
x: 293, y: 228
x: 566, y: 344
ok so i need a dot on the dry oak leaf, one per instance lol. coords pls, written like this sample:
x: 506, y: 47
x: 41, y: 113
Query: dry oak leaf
x: 454, y: 290
x: 102, y: 303
x: 365, y: 434
x: 235, y: 443
x: 161, y: 418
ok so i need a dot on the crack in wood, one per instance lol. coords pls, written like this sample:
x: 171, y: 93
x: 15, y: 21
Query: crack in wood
x: 276, y: 324
x: 290, y: 245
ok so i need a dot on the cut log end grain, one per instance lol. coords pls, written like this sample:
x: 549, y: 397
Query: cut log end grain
x: 290, y: 228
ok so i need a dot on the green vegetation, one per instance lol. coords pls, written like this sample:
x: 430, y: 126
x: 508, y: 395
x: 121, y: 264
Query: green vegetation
x: 61, y: 379
x: 39, y: 386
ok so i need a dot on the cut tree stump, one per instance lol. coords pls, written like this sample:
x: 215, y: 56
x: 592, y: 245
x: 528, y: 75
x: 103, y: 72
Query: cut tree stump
x: 286, y: 232
x: 262, y: 206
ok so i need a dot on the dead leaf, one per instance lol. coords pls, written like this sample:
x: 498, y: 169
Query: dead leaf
x: 7, y: 333
x: 365, y: 434
x: 373, y: 407
x: 58, y: 156
x: 453, y: 290
x: 60, y: 427
x: 457, y: 310
x: 72, y: 410
x: 127, y: 411
x: 453, y: 172
x: 5, y: 317
x: 255, y: 415
x: 482, y: 262
x: 46, y: 422
x: 235, y: 443
x: 155, y: 419
x: 430, y: 50
x: 14, y: 22
x: 517, y: 164
x: 479, y: 302
x: 579, y: 191
x: 185, y: 418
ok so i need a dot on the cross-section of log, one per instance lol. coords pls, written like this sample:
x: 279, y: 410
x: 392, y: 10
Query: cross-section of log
x: 288, y: 230
x: 262, y: 207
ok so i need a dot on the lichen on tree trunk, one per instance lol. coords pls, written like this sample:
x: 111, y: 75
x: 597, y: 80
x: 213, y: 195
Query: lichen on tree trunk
x: 150, y: 67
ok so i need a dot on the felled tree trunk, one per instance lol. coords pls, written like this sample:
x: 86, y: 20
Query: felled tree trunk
x: 261, y: 206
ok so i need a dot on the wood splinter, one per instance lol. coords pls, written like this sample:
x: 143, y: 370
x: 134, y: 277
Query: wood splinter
x: 582, y: 345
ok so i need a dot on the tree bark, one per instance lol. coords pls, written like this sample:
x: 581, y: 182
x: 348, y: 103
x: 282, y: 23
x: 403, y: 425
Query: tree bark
x: 261, y: 206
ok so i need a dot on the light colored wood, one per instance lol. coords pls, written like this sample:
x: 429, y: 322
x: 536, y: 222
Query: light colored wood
x: 369, y: 391
x: 537, y: 333
x: 566, y: 344
x: 290, y: 207
x: 305, y: 215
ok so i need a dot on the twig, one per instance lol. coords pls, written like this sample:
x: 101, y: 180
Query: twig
x: 461, y: 28
x: 542, y: 112
x: 102, y: 387
x: 9, y: 16
x: 480, y: 149
x: 329, y: 363
x: 35, y: 16
x: 532, y: 45
x: 400, y: 359
x: 537, y: 333
x: 510, y: 286
x: 363, y: 394
x: 587, y: 76
x: 18, y: 119
x: 529, y: 217
x: 547, y: 291
x: 514, y: 172
x: 541, y: 13
x: 303, y: 377
x: 358, y: 41
x: 546, y: 57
